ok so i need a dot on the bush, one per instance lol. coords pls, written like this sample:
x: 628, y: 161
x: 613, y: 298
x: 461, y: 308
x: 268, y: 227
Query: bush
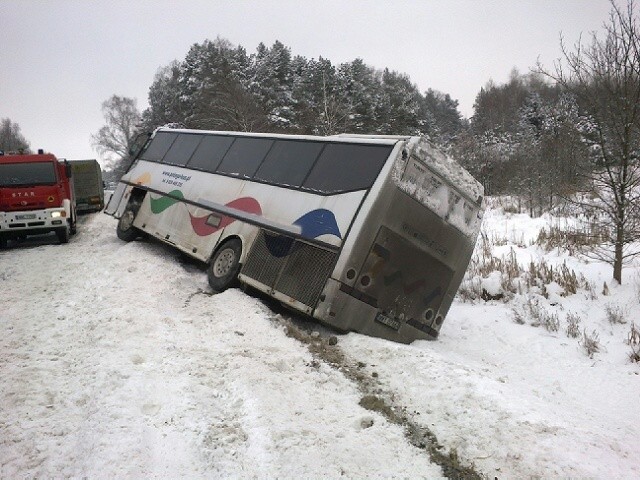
x: 590, y: 343
x: 537, y: 315
x: 573, y: 325
x: 574, y: 240
x: 615, y: 315
x: 633, y: 340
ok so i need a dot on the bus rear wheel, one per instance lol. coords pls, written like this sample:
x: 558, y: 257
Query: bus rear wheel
x: 224, y: 267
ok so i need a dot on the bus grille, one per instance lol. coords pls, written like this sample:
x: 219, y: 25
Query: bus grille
x: 289, y: 266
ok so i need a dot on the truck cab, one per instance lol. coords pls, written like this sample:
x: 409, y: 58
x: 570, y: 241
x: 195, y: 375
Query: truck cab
x: 36, y: 197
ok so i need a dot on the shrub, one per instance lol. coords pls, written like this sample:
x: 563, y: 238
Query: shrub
x: 633, y: 340
x: 537, y: 315
x: 590, y: 343
x: 615, y: 315
x: 541, y: 273
x: 470, y: 289
x: 573, y: 325
x: 514, y: 278
x: 572, y: 239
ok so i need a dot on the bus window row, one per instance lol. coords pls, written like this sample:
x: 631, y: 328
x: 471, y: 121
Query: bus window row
x: 310, y: 165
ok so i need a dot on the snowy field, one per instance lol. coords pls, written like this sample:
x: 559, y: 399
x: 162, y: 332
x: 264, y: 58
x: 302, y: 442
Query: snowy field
x: 115, y: 362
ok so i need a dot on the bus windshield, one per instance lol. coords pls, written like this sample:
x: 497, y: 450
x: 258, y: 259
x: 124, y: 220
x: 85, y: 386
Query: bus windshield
x: 27, y: 174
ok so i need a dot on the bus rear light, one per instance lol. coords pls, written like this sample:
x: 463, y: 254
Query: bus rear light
x: 428, y: 315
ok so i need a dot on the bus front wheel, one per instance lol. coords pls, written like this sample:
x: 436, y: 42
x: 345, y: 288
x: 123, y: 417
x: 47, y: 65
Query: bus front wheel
x: 224, y: 267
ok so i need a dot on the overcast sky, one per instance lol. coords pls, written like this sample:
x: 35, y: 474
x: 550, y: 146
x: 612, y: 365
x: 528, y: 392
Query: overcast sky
x: 60, y: 59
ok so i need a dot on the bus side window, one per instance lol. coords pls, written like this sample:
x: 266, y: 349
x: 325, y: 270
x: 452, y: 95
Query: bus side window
x: 289, y: 162
x: 159, y: 146
x: 343, y: 167
x: 245, y: 156
x: 210, y: 152
x: 182, y: 149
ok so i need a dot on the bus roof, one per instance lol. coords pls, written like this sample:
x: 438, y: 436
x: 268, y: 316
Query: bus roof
x: 342, y: 138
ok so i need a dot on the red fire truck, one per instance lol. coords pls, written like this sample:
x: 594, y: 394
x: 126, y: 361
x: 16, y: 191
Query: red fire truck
x: 36, y: 197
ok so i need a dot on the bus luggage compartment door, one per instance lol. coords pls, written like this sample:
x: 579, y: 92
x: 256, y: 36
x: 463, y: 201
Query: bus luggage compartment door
x: 290, y: 267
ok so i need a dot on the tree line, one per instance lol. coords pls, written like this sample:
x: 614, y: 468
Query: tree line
x: 219, y: 86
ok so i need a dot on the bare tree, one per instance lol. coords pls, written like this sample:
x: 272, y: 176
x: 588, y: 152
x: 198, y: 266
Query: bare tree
x: 604, y: 76
x: 115, y: 139
x: 10, y: 137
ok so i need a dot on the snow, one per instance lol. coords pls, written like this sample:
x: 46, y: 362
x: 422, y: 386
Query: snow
x: 116, y: 362
x: 439, y: 183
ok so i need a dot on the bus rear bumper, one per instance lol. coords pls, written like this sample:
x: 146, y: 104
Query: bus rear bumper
x: 348, y: 313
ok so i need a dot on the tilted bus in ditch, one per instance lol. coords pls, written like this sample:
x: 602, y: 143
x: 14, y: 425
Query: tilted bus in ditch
x: 365, y: 233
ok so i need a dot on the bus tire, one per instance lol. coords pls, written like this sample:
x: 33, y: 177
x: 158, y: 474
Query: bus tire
x: 125, y: 229
x: 224, y: 266
x: 63, y: 234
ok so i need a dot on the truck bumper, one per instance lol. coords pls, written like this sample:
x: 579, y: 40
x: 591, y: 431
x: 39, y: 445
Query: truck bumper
x: 32, y: 222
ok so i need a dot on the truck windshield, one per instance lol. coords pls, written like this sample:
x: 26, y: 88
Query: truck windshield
x: 22, y: 174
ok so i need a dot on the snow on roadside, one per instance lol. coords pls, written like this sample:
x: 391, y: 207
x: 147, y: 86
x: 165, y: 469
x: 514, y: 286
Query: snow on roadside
x: 514, y: 402
x: 113, y: 365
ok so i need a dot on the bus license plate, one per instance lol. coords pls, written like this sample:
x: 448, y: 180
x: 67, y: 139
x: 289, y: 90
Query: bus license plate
x: 28, y: 216
x: 388, y: 321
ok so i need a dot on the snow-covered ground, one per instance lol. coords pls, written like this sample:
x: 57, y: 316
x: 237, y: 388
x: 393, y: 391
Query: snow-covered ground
x: 115, y: 362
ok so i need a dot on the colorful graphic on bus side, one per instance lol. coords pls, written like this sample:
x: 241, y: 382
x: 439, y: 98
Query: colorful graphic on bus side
x: 312, y: 224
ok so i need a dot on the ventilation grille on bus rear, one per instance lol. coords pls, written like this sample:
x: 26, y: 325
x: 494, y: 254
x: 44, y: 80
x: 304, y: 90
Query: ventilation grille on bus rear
x: 289, y: 266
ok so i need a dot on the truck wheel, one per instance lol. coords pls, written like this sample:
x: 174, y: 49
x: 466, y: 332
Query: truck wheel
x: 224, y: 267
x: 125, y: 229
x: 63, y: 234
x: 3, y: 242
x: 74, y: 226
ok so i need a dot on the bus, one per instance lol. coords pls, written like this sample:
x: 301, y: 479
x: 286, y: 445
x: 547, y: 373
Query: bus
x: 371, y: 234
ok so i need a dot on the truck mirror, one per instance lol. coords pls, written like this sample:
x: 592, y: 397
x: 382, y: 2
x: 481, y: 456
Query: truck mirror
x: 67, y: 170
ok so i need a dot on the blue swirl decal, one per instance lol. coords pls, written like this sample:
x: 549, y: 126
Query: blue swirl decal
x: 318, y: 222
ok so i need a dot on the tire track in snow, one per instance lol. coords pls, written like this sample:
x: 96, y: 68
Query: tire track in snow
x: 374, y: 398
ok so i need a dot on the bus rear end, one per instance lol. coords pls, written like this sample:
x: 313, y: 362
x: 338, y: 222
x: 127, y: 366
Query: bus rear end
x: 403, y: 263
